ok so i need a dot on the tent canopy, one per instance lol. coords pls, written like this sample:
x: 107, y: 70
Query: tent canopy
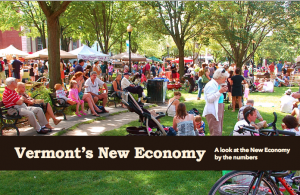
x: 43, y: 54
x: 155, y: 59
x: 11, y: 50
x: 125, y: 57
x: 186, y: 60
x: 86, y: 53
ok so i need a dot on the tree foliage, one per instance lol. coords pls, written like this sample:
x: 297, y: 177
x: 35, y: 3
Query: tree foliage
x: 27, y: 14
x: 182, y: 20
x: 105, y: 21
x: 239, y: 22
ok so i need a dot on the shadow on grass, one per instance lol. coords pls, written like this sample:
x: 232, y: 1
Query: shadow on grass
x: 108, y: 182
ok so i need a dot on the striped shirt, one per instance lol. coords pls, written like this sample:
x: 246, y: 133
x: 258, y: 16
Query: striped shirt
x: 10, y: 97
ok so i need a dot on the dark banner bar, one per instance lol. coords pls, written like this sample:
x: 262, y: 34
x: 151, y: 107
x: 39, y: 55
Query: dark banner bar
x: 149, y: 153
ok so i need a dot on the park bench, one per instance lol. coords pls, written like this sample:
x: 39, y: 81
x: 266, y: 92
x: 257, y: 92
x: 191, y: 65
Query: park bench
x: 5, y: 118
x: 112, y: 97
x: 59, y: 105
x: 262, y: 76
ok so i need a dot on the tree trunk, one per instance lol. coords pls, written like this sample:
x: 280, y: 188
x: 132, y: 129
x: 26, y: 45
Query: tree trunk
x: 43, y: 37
x: 52, y: 11
x: 121, y: 44
x: 181, y: 60
x: 53, y: 50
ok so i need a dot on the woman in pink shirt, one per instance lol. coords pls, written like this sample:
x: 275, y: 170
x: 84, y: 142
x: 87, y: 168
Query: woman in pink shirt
x: 110, y: 71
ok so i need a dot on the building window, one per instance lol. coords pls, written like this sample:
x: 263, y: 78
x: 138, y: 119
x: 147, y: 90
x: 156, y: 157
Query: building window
x: 39, y: 44
x: 75, y: 45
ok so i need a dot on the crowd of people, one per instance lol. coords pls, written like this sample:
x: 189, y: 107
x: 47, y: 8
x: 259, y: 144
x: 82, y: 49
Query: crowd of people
x: 215, y: 84
x: 229, y: 80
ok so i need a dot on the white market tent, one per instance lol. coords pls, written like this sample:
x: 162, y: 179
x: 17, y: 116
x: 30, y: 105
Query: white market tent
x: 11, y: 50
x: 86, y: 53
x: 43, y: 54
x: 125, y: 57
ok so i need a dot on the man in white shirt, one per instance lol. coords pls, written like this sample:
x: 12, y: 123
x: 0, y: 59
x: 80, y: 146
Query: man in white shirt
x: 287, y: 101
x: 126, y: 85
x: 92, y: 86
x: 250, y: 103
x: 251, y: 118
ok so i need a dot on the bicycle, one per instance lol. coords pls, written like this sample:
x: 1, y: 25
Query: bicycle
x: 256, y: 182
x: 263, y: 132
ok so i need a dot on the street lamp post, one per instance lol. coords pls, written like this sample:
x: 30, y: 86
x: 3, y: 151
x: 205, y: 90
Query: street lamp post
x: 253, y: 42
x: 129, y: 30
x: 168, y: 46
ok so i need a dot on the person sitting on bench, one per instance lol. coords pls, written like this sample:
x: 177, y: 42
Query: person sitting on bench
x: 126, y: 85
x: 92, y: 86
x: 12, y: 99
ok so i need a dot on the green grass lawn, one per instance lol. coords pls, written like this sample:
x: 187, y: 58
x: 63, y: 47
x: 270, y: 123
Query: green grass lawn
x: 230, y: 118
x: 133, y: 182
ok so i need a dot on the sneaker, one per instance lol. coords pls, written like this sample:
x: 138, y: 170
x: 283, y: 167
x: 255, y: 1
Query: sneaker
x: 146, y: 98
x: 43, y: 131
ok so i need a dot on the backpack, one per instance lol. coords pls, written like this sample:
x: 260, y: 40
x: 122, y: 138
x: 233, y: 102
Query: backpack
x: 194, y: 111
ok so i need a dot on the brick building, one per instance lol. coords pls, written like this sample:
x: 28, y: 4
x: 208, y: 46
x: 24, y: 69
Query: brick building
x: 27, y: 44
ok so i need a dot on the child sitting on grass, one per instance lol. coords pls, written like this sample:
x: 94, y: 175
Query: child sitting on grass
x: 60, y: 93
x: 73, y: 94
x: 256, y: 83
x: 200, y: 125
x: 290, y: 124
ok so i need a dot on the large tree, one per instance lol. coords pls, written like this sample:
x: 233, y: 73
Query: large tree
x: 52, y: 11
x: 182, y: 20
x: 238, y: 23
x: 106, y: 21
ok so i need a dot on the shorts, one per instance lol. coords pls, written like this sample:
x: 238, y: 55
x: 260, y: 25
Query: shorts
x: 17, y: 75
x: 80, y: 94
x: 102, y: 74
x: 174, y: 75
x: 2, y: 75
x: 94, y: 95
x: 110, y: 73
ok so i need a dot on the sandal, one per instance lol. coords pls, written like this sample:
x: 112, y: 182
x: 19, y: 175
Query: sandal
x: 95, y: 114
x: 57, y: 121
x: 82, y: 113
x: 78, y: 114
x: 49, y: 126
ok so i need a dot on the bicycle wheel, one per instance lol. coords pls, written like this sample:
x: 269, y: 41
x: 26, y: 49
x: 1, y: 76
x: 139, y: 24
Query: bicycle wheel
x: 243, y: 182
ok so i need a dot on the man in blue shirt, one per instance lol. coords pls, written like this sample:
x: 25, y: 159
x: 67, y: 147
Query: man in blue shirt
x: 79, y: 66
x: 279, y: 67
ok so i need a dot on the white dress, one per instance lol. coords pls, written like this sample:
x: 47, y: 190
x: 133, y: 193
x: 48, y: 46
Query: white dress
x: 171, y: 111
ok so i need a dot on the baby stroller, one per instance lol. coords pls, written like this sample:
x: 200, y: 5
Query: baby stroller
x: 147, y: 120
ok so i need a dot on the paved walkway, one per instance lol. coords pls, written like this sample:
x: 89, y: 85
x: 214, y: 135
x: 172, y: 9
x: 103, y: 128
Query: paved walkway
x: 110, y: 123
x: 92, y: 129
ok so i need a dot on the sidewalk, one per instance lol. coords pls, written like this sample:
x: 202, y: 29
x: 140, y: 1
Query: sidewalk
x: 92, y: 129
x: 110, y: 123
